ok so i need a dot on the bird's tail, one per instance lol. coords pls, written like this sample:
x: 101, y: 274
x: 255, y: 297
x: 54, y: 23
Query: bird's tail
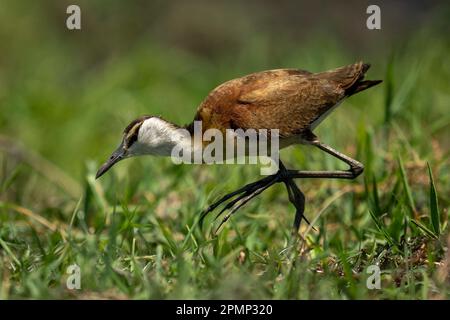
x: 360, y: 84
x: 363, y: 85
x: 350, y: 77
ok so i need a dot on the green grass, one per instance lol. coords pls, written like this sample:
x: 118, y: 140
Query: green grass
x: 135, y: 232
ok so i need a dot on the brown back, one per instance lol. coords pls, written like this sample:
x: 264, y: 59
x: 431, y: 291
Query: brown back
x: 286, y: 99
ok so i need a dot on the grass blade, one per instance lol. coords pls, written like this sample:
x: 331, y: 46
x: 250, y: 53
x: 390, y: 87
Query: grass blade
x: 424, y: 229
x: 9, y: 252
x: 406, y: 186
x: 434, y: 209
x: 382, y: 229
x: 376, y: 198
x: 389, y: 93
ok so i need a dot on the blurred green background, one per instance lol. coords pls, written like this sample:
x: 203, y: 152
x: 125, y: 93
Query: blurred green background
x: 68, y: 94
x: 65, y: 97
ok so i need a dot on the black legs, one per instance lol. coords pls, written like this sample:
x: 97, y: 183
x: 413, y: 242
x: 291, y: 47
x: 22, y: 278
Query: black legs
x: 240, y: 197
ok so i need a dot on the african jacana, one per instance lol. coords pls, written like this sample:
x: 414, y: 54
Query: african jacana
x: 291, y: 100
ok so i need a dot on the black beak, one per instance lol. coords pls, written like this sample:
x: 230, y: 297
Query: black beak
x: 117, y: 155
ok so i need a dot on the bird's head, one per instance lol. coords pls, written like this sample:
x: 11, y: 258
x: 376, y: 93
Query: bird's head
x: 145, y: 135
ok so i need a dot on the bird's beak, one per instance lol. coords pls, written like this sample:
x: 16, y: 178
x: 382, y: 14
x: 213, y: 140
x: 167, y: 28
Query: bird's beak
x: 117, y: 155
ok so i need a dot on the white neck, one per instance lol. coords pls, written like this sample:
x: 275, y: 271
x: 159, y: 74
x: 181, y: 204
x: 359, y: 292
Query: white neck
x: 159, y: 137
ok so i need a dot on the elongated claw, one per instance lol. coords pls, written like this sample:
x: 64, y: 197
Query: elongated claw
x: 244, y: 194
x: 243, y: 201
x: 245, y: 190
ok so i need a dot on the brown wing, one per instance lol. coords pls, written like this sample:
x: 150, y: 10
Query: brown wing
x: 285, y: 99
x: 289, y: 104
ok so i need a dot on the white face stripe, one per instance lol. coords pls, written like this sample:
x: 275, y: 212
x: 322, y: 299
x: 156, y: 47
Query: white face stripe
x: 132, y: 135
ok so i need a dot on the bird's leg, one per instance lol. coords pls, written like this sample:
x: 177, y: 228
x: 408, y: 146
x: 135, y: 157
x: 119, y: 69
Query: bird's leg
x: 297, y: 198
x: 356, y: 168
x: 252, y: 190
x: 237, y: 203
x: 246, y: 192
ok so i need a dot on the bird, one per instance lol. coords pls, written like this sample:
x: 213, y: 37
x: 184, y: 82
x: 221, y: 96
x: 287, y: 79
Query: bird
x: 294, y: 101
